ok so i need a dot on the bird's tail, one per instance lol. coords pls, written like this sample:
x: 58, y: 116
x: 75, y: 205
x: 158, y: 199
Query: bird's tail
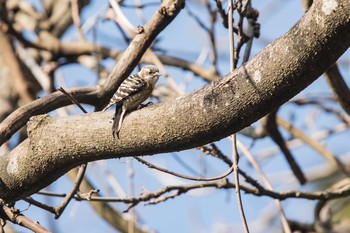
x: 117, y: 120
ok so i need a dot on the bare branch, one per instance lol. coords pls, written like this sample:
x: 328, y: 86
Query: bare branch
x: 271, y: 128
x: 150, y: 165
x: 338, y: 87
x: 314, y: 144
x: 16, y: 217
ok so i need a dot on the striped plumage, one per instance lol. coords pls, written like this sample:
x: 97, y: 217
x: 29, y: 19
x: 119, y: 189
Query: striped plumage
x: 131, y: 93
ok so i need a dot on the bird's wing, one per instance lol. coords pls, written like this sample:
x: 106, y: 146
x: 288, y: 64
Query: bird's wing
x: 132, y: 85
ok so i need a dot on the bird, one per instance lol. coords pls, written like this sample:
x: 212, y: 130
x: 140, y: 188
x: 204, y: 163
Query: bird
x: 131, y: 93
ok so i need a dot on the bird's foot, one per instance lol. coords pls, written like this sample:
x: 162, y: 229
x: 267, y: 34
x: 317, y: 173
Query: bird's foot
x: 144, y: 105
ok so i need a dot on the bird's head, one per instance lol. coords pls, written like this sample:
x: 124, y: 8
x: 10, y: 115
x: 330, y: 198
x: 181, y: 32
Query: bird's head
x: 150, y: 72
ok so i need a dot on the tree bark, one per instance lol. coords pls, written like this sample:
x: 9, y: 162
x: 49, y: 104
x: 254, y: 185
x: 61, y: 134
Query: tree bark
x: 221, y: 108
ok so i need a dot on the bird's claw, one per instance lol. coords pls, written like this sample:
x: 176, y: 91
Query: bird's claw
x: 144, y: 105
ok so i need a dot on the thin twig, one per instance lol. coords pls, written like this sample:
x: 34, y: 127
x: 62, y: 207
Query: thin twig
x: 132, y: 214
x: 250, y: 32
x: 43, y: 206
x: 235, y: 158
x: 209, y: 30
x: 216, y: 152
x: 61, y: 89
x: 82, y: 168
x: 185, y: 165
x: 222, y: 13
x: 314, y: 144
x: 235, y: 155
x: 320, y: 103
x: 111, y: 215
x: 266, y: 181
x: 231, y: 36
x: 42, y: 78
x: 150, y: 165
x: 76, y: 18
x: 61, y: 207
x: 140, y: 6
x: 272, y: 130
x: 258, y: 190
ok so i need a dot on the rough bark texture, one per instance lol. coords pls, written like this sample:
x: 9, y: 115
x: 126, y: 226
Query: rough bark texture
x: 215, y: 111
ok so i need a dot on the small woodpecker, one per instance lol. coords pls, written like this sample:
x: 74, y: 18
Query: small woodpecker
x: 131, y: 93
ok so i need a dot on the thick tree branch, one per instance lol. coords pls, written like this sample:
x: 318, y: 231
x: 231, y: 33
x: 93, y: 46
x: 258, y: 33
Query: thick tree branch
x: 217, y: 110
